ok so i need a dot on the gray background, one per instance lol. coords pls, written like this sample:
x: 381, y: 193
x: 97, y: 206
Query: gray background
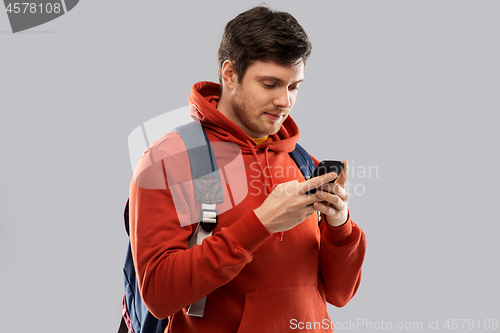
x: 408, y: 87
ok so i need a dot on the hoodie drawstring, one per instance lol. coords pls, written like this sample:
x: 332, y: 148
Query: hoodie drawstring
x: 269, y: 187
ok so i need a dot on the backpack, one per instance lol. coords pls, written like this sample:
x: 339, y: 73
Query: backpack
x: 136, y: 318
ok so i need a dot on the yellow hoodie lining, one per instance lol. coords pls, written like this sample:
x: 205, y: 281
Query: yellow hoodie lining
x: 258, y: 141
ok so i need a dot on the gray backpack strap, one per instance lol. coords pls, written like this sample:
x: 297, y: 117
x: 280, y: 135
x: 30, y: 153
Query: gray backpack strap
x: 208, y: 186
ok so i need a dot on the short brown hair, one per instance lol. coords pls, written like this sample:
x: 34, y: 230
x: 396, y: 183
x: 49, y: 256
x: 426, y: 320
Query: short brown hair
x: 265, y: 35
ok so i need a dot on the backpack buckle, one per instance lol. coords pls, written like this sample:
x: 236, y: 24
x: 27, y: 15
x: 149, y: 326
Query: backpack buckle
x: 208, y: 217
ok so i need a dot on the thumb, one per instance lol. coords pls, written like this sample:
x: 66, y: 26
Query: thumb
x: 342, y: 179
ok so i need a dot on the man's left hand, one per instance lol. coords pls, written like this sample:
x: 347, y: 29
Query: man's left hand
x: 335, y: 197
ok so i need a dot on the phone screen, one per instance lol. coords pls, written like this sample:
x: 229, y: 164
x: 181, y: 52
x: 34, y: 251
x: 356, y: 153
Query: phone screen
x: 327, y: 167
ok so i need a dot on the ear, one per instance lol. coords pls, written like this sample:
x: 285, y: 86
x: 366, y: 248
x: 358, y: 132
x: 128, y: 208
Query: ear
x: 228, y: 73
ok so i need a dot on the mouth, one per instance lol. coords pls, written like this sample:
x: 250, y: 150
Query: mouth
x: 274, y: 116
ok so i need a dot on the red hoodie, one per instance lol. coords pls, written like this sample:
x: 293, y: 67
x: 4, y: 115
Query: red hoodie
x: 255, y: 281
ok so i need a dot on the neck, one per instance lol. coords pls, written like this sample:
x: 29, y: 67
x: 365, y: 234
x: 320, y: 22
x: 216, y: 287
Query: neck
x: 223, y: 106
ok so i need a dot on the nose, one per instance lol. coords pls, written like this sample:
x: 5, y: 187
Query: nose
x: 282, y: 99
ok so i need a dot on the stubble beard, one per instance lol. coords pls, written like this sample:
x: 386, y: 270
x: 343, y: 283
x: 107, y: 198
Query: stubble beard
x: 242, y: 118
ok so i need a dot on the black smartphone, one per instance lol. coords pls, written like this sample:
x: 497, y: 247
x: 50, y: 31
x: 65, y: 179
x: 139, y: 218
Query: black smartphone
x: 327, y: 167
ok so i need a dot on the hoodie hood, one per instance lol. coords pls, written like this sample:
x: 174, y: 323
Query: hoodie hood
x: 204, y: 99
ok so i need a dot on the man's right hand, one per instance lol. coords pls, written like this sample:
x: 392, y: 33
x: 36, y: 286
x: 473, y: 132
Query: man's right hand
x: 288, y: 205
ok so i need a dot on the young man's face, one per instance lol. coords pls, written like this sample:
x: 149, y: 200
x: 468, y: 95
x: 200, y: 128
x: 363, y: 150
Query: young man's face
x: 263, y: 99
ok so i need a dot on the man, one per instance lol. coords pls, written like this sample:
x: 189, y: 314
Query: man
x: 268, y: 267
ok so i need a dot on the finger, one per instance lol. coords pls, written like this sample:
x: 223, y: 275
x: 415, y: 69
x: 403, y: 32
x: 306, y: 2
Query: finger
x: 317, y: 182
x: 335, y: 189
x: 342, y: 179
x: 310, y: 209
x: 333, y: 200
x: 326, y: 209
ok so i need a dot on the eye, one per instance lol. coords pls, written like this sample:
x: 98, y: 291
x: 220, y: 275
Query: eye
x: 269, y: 85
x: 293, y: 87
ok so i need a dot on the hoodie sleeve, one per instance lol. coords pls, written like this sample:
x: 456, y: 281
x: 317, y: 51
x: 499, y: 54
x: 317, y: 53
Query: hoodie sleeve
x: 342, y: 252
x: 171, y: 275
